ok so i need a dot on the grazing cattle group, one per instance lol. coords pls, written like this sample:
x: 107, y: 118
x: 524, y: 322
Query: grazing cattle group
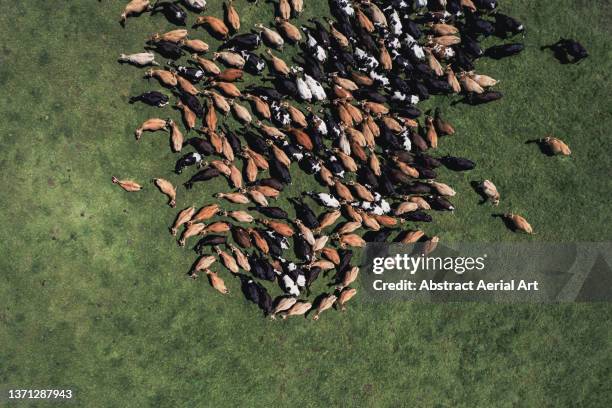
x: 362, y: 137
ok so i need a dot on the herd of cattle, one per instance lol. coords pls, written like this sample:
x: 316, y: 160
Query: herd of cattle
x: 361, y: 137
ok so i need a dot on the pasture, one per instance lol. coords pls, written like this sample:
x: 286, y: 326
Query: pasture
x: 94, y: 289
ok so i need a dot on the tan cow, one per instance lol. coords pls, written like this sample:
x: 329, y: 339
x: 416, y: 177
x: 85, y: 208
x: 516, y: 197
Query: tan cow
x: 349, y: 240
x: 150, y: 125
x: 291, y: 32
x: 188, y: 115
x: 231, y: 16
x: 237, y: 198
x: 325, y: 303
x: 346, y: 295
x: 331, y: 254
x: 183, y: 217
x: 349, y: 277
x: 279, y: 65
x: 135, y: 7
x: 328, y: 219
x: 283, y: 304
x: 298, y: 309
x: 127, y: 185
x: 227, y: 260
x: 176, y: 136
x: 168, y: 189
x: 297, y: 6
x: 241, y: 113
x: 230, y: 58
x: 203, y: 263
x: 241, y: 258
x: 240, y: 216
x: 557, y: 146
x: 271, y: 37
x: 279, y: 227
x: 166, y: 78
x: 216, y: 25
x: 284, y: 9
x: 191, y: 231
x: 219, y: 101
x: 519, y: 223
x: 207, y: 65
x: 262, y: 109
x: 490, y: 191
x: 175, y: 36
x: 204, y: 213
x: 195, y: 45
x: 227, y: 88
x: 216, y: 282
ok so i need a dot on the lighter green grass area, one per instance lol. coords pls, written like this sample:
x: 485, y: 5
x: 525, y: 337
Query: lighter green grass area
x: 93, y: 289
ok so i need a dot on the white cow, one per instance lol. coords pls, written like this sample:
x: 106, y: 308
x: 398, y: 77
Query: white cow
x: 199, y: 5
x: 315, y: 87
x: 303, y: 89
x: 140, y: 59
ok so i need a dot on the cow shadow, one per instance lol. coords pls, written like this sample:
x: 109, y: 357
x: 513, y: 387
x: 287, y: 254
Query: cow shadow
x: 148, y: 78
x: 162, y: 52
x: 191, y: 273
x: 544, y: 148
x: 507, y: 222
x: 371, y: 235
x: 477, y: 187
x: 210, y: 32
x: 315, y: 303
x: 336, y: 279
x: 466, y: 100
x: 558, y: 52
x: 275, y: 6
x: 472, y: 100
x: 183, y: 121
x: 243, y: 282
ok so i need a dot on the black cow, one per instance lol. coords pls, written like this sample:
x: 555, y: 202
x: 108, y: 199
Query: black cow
x: 458, y: 163
x: 209, y: 240
x: 172, y: 11
x: 487, y: 96
x: 417, y: 216
x: 193, y: 75
x: 280, y: 172
x: 272, y: 212
x: 189, y: 159
x: 152, y: 98
x: 203, y: 175
x: 504, y: 50
x: 505, y: 25
x: 167, y: 49
x: 565, y: 48
x: 254, y: 64
x: 246, y: 42
x: 304, y: 213
x: 202, y: 146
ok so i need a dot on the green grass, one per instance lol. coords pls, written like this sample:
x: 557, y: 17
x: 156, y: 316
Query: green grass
x: 93, y: 288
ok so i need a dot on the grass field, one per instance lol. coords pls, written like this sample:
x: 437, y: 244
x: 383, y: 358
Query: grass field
x: 93, y: 288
